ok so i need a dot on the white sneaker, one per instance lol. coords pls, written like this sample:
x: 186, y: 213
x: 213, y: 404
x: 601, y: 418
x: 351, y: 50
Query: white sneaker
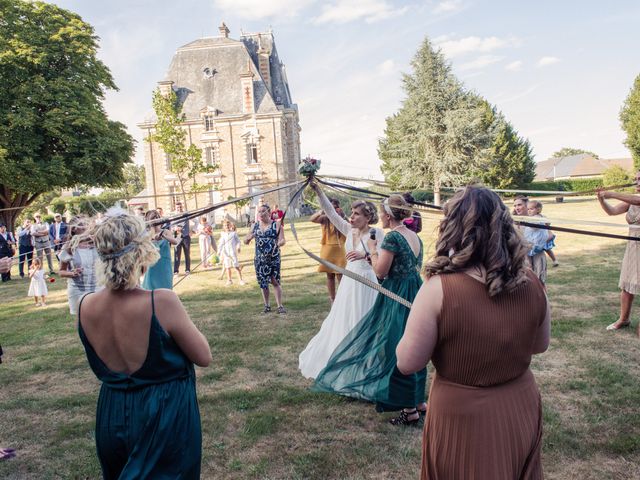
x: 229, y: 282
x: 242, y: 282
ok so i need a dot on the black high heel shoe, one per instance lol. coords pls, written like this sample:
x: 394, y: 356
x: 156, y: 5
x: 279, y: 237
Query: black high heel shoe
x: 403, y: 418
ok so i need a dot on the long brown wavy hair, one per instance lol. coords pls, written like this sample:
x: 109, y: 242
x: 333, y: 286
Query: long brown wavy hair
x: 477, y: 230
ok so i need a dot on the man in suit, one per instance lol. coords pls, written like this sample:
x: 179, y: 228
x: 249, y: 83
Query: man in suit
x: 7, y: 245
x: 25, y: 246
x: 184, y: 229
x: 57, y: 232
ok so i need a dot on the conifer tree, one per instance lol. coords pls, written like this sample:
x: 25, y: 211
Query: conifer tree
x: 440, y: 133
x: 509, y: 161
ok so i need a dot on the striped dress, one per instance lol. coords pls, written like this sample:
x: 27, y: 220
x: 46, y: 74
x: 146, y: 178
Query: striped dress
x: 484, y: 418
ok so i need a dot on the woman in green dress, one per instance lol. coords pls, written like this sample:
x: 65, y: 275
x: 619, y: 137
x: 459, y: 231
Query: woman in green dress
x: 363, y: 366
x: 142, y: 346
x: 160, y: 274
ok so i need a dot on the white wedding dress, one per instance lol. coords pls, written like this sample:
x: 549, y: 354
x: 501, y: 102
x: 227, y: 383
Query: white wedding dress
x: 353, y: 300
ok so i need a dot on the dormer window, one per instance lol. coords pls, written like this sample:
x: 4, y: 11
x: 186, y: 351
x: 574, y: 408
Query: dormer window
x: 209, y: 123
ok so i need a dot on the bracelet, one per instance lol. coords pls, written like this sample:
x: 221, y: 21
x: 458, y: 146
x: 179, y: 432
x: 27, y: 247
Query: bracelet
x: 373, y: 253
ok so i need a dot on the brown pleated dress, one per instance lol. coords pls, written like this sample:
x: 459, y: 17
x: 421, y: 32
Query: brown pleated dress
x: 484, y: 418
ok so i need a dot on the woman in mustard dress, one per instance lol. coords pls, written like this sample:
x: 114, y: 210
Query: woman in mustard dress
x: 332, y: 247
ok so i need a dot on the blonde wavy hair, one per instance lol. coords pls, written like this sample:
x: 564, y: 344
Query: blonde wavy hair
x: 124, y: 249
x: 477, y: 230
x: 368, y: 209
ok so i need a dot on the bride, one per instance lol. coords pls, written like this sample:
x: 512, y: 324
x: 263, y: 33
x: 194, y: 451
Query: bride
x: 353, y: 299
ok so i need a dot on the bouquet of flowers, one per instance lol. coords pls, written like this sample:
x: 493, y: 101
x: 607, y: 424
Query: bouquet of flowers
x: 308, y: 166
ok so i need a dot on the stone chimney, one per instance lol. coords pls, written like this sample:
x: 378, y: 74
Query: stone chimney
x: 224, y: 31
x: 246, y: 83
x: 264, y: 54
x: 165, y: 87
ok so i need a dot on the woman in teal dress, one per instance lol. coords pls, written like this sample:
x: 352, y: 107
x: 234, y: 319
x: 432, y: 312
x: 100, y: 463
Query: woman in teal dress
x: 142, y: 346
x: 363, y: 366
x: 160, y: 274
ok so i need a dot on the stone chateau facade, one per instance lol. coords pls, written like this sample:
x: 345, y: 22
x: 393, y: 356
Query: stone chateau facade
x: 238, y: 110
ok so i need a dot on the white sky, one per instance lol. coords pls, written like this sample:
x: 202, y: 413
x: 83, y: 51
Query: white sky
x: 559, y: 70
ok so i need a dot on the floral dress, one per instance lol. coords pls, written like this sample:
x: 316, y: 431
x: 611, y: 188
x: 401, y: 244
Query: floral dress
x: 267, y: 259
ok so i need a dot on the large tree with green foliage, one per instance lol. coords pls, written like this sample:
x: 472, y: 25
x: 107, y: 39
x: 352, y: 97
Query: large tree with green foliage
x: 54, y: 132
x: 445, y: 135
x: 630, y: 118
x: 569, y: 151
x: 509, y: 162
x: 186, y: 160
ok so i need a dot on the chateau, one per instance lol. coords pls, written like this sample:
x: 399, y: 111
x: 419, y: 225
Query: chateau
x: 238, y: 110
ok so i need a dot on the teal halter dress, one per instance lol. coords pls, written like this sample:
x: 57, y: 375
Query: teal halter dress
x: 363, y: 366
x: 148, y: 422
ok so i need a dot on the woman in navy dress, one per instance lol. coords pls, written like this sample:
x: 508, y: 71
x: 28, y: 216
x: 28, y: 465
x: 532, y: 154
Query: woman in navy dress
x: 142, y: 346
x: 269, y: 238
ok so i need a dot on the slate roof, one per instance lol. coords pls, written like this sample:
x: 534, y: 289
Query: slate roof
x: 206, y: 73
x: 581, y: 165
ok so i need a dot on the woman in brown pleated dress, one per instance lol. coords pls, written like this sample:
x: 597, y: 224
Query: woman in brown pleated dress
x: 479, y: 318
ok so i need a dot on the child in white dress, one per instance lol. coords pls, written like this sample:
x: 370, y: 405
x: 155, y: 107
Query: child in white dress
x: 204, y: 231
x: 38, y: 286
x: 228, y: 249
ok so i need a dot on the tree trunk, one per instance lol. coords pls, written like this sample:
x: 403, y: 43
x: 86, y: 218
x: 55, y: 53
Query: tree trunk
x: 8, y: 217
x: 436, y: 192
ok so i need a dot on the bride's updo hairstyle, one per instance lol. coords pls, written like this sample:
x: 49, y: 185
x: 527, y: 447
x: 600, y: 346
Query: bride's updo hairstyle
x: 368, y: 209
x: 124, y: 248
x: 477, y: 230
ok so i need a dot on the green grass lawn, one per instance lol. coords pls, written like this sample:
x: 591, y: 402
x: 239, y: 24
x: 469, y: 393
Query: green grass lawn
x: 259, y: 418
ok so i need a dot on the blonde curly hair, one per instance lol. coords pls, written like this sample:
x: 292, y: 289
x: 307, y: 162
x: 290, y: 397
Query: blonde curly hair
x: 124, y: 249
x: 478, y: 230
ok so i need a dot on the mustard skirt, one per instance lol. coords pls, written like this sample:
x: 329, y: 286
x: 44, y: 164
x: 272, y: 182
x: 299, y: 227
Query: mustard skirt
x: 334, y: 254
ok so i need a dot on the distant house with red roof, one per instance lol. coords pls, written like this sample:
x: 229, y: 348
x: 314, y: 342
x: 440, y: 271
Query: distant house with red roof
x: 582, y: 165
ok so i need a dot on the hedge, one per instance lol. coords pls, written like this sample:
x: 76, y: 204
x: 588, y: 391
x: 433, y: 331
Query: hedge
x: 571, y: 185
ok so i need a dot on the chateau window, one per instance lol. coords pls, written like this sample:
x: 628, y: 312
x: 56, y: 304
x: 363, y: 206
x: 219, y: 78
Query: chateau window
x: 210, y: 155
x: 173, y: 198
x: 209, y: 123
x: 252, y: 153
x: 167, y: 162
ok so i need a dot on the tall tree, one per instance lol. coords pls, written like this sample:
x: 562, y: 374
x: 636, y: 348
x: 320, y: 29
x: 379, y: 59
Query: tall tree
x: 569, y: 151
x: 186, y: 160
x: 509, y: 161
x: 630, y: 118
x: 54, y: 132
x: 134, y: 179
x: 440, y: 133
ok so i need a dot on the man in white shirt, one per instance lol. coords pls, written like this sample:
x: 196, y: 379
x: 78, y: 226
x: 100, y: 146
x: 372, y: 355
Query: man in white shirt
x: 40, y: 233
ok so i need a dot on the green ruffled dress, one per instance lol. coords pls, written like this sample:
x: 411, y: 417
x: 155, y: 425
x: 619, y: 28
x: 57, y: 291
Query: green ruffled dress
x: 363, y: 366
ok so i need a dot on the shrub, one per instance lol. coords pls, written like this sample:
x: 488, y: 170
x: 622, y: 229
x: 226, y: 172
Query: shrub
x: 616, y: 175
